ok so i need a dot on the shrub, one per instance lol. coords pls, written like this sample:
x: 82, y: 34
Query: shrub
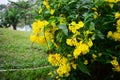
x: 82, y: 37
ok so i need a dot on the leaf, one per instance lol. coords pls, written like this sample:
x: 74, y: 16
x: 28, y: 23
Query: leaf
x: 87, y: 15
x: 93, y: 36
x: 99, y: 34
x: 64, y: 28
x: 83, y: 68
x: 92, y: 26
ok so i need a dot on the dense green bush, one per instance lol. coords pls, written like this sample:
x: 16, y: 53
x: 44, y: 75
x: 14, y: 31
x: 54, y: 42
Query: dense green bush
x: 82, y: 36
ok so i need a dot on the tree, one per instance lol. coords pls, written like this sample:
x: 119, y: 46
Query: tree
x: 27, y: 11
x: 11, y: 17
x: 2, y: 8
x: 18, y: 12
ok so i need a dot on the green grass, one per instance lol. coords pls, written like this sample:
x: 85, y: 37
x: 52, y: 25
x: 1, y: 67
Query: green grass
x: 15, y: 53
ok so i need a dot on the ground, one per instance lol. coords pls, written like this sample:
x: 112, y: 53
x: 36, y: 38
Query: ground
x: 16, y: 54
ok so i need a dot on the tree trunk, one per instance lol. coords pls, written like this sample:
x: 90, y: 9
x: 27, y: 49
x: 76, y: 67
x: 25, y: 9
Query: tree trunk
x: 14, y: 27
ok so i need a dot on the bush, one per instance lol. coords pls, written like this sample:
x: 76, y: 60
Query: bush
x: 82, y: 37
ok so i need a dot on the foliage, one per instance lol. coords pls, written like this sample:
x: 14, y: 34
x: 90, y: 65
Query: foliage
x: 27, y: 12
x: 2, y: 6
x: 18, y: 12
x: 11, y: 17
x: 82, y: 37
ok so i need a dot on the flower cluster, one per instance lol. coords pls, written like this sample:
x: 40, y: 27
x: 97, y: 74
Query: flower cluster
x: 38, y: 32
x: 81, y: 45
x: 96, y: 15
x: 111, y: 2
x: 115, y: 64
x: 48, y: 7
x: 79, y: 37
x: 64, y: 67
x: 116, y: 35
x: 74, y: 26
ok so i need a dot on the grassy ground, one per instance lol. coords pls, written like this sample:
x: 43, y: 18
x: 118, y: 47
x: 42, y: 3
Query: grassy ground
x: 15, y: 53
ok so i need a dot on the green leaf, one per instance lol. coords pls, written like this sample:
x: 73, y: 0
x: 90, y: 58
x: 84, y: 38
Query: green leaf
x: 99, y: 34
x: 92, y: 26
x: 93, y: 36
x: 86, y: 16
x: 64, y: 28
x: 83, y: 68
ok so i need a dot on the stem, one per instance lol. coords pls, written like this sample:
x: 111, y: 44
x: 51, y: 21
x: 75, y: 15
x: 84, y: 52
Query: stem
x: 45, y: 38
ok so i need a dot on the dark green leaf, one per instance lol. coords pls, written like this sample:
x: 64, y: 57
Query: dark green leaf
x: 99, y: 34
x: 92, y: 26
x: 83, y: 68
x: 86, y: 16
x: 93, y: 37
x: 64, y: 28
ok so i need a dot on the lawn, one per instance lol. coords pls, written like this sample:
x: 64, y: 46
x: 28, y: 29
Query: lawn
x: 17, y: 60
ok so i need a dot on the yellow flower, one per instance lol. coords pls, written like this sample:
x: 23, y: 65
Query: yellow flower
x: 57, y: 78
x: 57, y: 59
x: 73, y: 29
x: 117, y: 15
x: 81, y: 49
x: 73, y: 26
x: 53, y: 24
x: 115, y: 65
x: 117, y: 1
x: 48, y: 7
x: 64, y: 70
x: 63, y: 61
x: 74, y: 65
x: 109, y: 34
x: 50, y: 74
x: 86, y: 62
x: 76, y: 52
x: 76, y: 33
x: 111, y: 5
x: 38, y: 25
x: 73, y: 23
x: 114, y: 62
x: 110, y: 1
x: 45, y: 2
x: 69, y: 55
x: 118, y: 22
x: 52, y: 11
x: 95, y: 15
x: 54, y: 59
x: 68, y: 41
x: 33, y: 38
x: 99, y: 54
x: 60, y: 72
x: 90, y: 43
x: 45, y: 22
x: 94, y: 8
x: 89, y: 32
x: 81, y: 24
x: 117, y: 68
x: 62, y: 20
x: 71, y: 42
x: 116, y: 36
x: 118, y: 29
x: 42, y: 40
x: 94, y: 56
